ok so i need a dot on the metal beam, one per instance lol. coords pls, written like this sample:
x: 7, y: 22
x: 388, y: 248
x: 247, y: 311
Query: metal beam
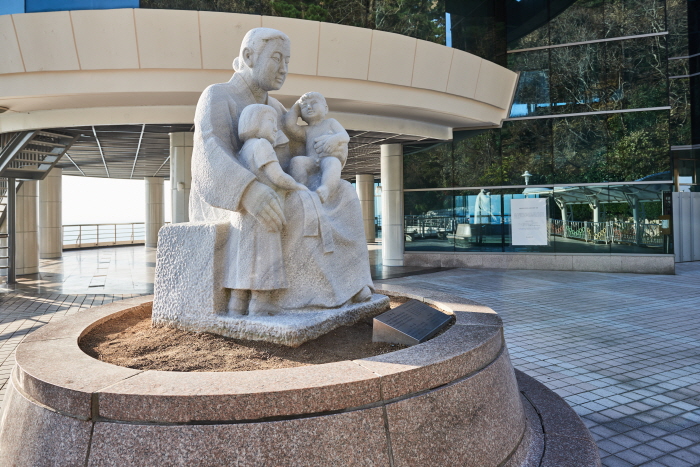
x: 138, y: 148
x: 97, y: 140
x: 161, y: 166
x: 76, y: 165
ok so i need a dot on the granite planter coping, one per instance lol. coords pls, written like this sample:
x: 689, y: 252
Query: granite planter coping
x: 393, y: 409
x: 52, y: 370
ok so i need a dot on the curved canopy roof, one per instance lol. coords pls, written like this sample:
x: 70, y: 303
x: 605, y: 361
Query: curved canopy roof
x: 133, y: 67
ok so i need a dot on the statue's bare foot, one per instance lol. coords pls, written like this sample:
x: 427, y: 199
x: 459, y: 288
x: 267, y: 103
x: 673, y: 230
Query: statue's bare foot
x: 259, y: 306
x: 322, y: 193
x: 363, y: 295
x: 238, y: 303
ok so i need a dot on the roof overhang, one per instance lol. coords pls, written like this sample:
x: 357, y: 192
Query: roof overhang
x: 110, y: 67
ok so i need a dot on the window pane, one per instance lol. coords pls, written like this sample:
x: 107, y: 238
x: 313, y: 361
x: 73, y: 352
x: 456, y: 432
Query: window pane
x: 579, y: 225
x: 508, y: 196
x: 638, y: 146
x: 677, y: 19
x: 477, y: 159
x: 680, y: 123
x: 633, y: 215
x: 526, y: 24
x: 527, y: 146
x: 532, y: 95
x: 577, y: 78
x: 633, y: 17
x: 478, y: 27
x: 480, y: 225
x: 428, y: 166
x: 636, y: 73
x: 429, y: 221
x: 580, y: 22
x: 579, y: 150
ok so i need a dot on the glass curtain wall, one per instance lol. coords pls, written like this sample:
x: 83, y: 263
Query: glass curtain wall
x: 601, y: 128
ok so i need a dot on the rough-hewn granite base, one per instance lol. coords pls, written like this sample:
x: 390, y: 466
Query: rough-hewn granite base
x: 189, y: 295
x: 287, y: 328
x: 452, y: 401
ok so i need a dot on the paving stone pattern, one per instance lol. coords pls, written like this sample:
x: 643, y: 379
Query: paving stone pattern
x: 622, y: 349
x: 22, y: 312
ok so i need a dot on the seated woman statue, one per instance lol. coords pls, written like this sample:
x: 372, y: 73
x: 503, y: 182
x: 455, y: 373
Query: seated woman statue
x: 324, y: 255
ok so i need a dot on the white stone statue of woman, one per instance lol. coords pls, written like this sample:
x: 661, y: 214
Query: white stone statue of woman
x: 324, y: 252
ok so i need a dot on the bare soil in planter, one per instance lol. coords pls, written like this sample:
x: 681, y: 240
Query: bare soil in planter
x: 132, y: 342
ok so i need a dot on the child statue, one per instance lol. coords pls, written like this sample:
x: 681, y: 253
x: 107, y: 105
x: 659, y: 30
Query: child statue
x: 260, y: 267
x: 326, y: 143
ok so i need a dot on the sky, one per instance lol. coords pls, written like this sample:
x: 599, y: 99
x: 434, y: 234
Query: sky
x: 88, y: 200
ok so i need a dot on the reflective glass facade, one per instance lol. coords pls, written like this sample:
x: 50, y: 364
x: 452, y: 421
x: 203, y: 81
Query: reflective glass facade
x: 603, y: 124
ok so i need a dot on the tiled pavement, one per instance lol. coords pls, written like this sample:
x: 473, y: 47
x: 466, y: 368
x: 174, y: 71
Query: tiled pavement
x: 622, y: 349
x: 22, y: 313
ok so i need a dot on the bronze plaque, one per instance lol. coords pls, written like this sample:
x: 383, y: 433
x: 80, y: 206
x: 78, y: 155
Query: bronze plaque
x: 411, y: 323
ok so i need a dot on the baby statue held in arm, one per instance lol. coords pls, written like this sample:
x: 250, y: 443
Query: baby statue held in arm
x: 325, y: 140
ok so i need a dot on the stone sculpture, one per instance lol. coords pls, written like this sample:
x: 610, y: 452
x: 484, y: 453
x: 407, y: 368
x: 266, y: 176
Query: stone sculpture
x: 265, y: 256
x: 325, y: 141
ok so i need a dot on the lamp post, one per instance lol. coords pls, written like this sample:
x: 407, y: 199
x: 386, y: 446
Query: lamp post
x: 527, y: 176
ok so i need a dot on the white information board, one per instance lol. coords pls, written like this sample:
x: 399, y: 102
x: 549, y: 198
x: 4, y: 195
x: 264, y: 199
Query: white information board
x: 529, y: 221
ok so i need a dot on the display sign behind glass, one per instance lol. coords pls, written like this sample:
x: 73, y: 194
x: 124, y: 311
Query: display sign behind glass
x: 529, y: 221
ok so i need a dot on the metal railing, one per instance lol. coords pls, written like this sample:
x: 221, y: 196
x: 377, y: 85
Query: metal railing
x: 91, y: 235
x: 609, y: 232
x: 430, y: 226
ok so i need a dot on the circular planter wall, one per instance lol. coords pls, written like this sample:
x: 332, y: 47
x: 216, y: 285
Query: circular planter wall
x: 453, y: 400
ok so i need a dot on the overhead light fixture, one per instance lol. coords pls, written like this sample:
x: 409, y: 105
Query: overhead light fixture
x: 3, y: 109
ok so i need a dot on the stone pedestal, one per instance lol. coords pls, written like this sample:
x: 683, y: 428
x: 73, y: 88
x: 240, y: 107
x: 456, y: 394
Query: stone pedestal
x: 188, y: 293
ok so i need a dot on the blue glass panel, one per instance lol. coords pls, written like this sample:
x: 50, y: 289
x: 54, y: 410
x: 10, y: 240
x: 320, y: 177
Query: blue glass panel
x: 63, y: 5
x: 10, y: 7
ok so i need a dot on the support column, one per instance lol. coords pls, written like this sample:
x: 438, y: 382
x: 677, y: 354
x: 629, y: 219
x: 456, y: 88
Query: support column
x: 50, y: 216
x: 596, y: 210
x: 27, y: 243
x: 180, y: 175
x: 155, y: 209
x: 392, y: 204
x: 364, y: 184
x: 562, y: 207
x: 638, y: 227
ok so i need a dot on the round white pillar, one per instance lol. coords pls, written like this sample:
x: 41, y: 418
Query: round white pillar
x: 27, y: 243
x: 50, y: 216
x: 392, y: 204
x: 180, y: 175
x: 364, y: 184
x: 155, y: 209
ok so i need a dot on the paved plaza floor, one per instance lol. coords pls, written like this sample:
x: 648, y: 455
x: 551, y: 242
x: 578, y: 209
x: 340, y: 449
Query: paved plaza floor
x: 622, y: 349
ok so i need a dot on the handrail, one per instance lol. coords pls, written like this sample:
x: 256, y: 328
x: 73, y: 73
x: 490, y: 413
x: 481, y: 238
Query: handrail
x: 92, y: 235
